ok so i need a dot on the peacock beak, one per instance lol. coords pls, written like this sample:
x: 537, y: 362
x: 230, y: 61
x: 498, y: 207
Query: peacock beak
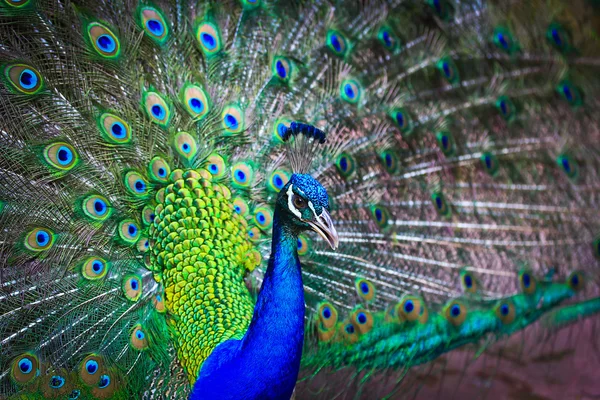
x: 324, y: 227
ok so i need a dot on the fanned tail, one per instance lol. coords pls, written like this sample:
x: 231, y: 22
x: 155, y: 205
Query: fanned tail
x: 141, y: 153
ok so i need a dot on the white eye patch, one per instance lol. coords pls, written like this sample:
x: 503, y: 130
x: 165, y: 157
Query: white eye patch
x: 310, y: 205
x: 290, y: 195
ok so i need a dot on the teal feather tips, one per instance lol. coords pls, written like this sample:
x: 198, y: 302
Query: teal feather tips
x: 303, y: 141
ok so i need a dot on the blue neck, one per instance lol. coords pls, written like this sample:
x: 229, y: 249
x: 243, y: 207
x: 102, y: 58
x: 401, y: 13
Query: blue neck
x: 278, y: 322
x: 266, y: 362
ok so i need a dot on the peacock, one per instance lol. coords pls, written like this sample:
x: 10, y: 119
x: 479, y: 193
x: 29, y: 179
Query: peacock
x: 262, y: 199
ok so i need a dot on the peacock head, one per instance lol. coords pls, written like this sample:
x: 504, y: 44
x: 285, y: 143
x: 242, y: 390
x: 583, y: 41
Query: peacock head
x: 306, y: 204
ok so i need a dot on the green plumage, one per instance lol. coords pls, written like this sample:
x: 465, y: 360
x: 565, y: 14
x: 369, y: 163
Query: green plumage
x: 141, y: 153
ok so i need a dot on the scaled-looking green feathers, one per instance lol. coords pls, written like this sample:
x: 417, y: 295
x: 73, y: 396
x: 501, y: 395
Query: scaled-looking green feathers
x: 141, y: 153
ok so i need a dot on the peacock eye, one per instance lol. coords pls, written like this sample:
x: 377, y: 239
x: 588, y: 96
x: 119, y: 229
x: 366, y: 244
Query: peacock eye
x: 298, y: 201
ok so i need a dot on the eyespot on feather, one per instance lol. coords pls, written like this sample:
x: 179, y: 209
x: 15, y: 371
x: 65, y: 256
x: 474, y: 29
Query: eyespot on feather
x: 362, y: 320
x: 157, y: 109
x: 570, y: 93
x: 337, y: 43
x: 380, y: 215
x: 455, y: 312
x: 138, y: 338
x: 132, y: 287
x: 282, y: 68
x: 209, y: 38
x: 215, y: 164
x: 279, y: 128
x: 559, y: 38
x: 304, y: 245
x: 23, y: 78
x: 389, y: 160
x: 263, y: 216
x: 388, y: 38
x: 505, y: 311
x: 143, y: 244
x: 185, y: 145
x: 568, y: 165
x: 468, y: 282
x: 96, y: 207
x: 490, y: 163
x: 443, y: 9
x: 114, y: 129
x: 403, y: 120
x: 148, y: 215
x: 61, y: 156
x: 159, y: 303
x: 448, y: 70
x: 18, y: 3
x: 413, y: 308
x: 103, y: 40
x: 365, y: 289
x: 154, y: 24
x: 159, y: 170
x: 39, y: 239
x: 527, y: 282
x: 242, y: 175
x: 106, y: 387
x: 57, y: 383
x: 24, y: 368
x: 240, y: 206
x: 350, y: 91
x: 195, y: 100
x: 277, y: 180
x: 135, y: 183
x: 90, y: 369
x: 446, y: 143
x: 254, y: 234
x: 440, y: 204
x: 328, y: 315
x: 348, y: 332
x: 129, y: 232
x: 576, y: 280
x: 504, y: 40
x: 251, y: 4
x: 94, y: 268
x: 232, y: 119
x: 506, y: 108
x: 346, y: 165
